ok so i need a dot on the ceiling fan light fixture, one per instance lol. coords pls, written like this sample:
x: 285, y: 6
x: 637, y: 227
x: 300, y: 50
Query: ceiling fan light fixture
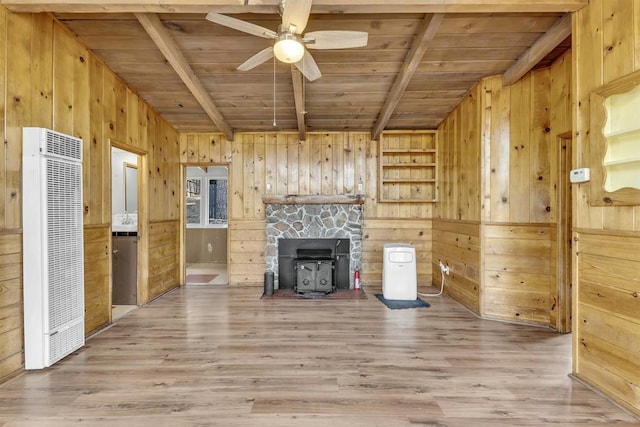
x: 288, y: 48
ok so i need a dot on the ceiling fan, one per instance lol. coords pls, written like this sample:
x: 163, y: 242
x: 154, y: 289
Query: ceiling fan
x: 289, y: 45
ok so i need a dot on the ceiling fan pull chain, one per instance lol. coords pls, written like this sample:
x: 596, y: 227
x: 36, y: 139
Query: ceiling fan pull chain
x: 274, y: 92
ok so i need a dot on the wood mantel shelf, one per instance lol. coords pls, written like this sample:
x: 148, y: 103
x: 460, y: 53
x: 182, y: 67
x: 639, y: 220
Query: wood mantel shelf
x: 294, y: 199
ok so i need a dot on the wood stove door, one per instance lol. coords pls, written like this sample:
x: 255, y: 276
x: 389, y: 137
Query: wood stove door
x: 314, y: 276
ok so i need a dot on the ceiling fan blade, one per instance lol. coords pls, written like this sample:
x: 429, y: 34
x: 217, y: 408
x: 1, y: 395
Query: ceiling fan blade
x: 296, y: 12
x: 263, y: 56
x: 240, y: 25
x: 308, y: 67
x: 335, y: 39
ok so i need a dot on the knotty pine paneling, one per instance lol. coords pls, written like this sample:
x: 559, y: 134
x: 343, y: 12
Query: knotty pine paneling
x: 519, y: 270
x: 606, y: 264
x: 459, y: 155
x: 498, y: 163
x: 247, y: 240
x: 376, y: 233
x: 163, y: 257
x: 457, y: 245
x: 48, y: 79
x: 608, y: 315
x: 327, y: 163
x: 11, y: 330
x: 97, y: 273
x: 522, y: 122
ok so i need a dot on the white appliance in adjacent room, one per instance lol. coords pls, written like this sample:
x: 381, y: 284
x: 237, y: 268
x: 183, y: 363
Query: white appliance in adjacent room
x: 399, y: 278
x: 53, y: 264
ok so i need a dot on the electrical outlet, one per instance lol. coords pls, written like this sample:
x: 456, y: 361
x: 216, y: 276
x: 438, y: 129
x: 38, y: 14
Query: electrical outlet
x: 444, y: 268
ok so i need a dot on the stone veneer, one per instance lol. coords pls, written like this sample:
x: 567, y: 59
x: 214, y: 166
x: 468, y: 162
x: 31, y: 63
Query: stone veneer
x: 313, y: 221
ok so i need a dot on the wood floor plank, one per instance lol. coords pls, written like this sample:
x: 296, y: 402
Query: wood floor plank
x: 223, y: 356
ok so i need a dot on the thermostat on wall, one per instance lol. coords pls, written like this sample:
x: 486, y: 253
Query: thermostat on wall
x: 579, y: 175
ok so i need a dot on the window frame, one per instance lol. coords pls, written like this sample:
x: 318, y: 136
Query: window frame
x: 204, y: 201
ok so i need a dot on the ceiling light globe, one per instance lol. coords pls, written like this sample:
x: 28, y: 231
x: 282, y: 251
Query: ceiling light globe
x: 288, y: 50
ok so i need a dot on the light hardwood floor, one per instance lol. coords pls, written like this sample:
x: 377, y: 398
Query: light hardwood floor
x: 223, y: 357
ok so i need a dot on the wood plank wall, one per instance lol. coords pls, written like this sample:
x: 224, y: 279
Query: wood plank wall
x: 459, y: 160
x: 326, y: 163
x: 608, y: 314
x: 457, y: 245
x: 48, y: 79
x: 456, y: 225
x: 519, y: 268
x: 498, y: 164
x: 606, y: 285
x: 11, y: 330
x: 97, y: 274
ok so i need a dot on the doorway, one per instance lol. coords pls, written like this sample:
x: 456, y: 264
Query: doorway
x: 124, y: 232
x: 206, y: 219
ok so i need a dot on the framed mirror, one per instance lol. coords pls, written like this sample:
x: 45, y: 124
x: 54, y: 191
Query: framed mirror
x: 130, y: 187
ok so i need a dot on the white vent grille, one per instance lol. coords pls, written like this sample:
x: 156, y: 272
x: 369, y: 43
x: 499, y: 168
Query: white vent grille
x: 66, y: 340
x: 53, y: 247
x: 64, y: 241
x: 62, y: 145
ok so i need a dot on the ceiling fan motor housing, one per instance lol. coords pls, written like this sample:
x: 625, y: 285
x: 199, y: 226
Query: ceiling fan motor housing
x: 288, y: 47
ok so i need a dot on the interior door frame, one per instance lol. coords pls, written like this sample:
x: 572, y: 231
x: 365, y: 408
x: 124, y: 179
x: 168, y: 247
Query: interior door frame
x: 183, y: 218
x: 142, y: 269
x: 562, y: 296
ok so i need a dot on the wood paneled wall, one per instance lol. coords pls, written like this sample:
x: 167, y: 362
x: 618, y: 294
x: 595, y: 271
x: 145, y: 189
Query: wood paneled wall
x: 326, y: 163
x: 606, y: 285
x: 520, y: 146
x: 459, y: 160
x: 246, y: 251
x: 498, y: 163
x: 163, y: 255
x: 97, y: 276
x: 457, y: 245
x: 11, y: 330
x: 608, y: 314
x: 48, y: 79
x: 519, y: 271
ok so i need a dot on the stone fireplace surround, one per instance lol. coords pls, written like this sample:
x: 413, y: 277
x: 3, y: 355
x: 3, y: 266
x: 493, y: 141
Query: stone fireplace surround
x: 308, y: 217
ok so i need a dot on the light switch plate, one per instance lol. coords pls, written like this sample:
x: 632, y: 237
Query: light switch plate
x: 579, y: 175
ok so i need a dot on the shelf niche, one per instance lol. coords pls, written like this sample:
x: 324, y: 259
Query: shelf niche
x: 407, y: 163
x: 615, y: 148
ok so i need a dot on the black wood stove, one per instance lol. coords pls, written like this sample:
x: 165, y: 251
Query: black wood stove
x: 313, y: 265
x: 314, y: 270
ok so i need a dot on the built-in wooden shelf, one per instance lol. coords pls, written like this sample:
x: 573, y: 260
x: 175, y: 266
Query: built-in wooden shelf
x: 407, y: 167
x: 408, y: 151
x: 314, y: 199
x: 622, y: 161
x: 408, y: 180
x: 615, y: 136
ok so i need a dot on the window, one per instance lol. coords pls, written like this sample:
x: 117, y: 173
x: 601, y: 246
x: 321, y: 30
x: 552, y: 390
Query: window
x: 193, y: 201
x: 208, y: 207
x: 217, y: 201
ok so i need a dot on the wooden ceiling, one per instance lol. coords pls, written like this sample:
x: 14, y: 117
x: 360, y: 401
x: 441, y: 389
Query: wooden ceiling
x: 421, y: 59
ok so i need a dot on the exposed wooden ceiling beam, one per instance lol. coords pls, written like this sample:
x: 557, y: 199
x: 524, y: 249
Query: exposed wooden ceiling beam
x: 428, y: 29
x: 170, y: 50
x: 269, y: 6
x: 545, y: 44
x: 298, y: 97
